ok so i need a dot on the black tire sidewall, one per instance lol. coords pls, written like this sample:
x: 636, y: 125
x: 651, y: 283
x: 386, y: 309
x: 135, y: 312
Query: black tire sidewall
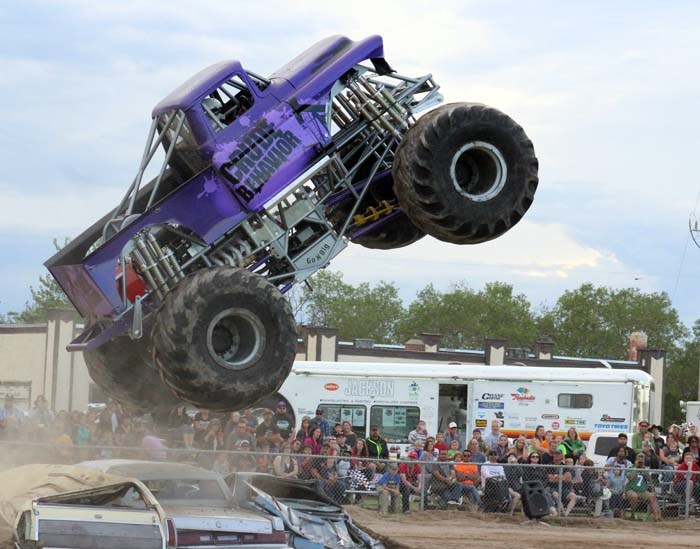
x: 491, y: 130
x: 180, y: 338
x: 124, y: 370
x: 424, y: 184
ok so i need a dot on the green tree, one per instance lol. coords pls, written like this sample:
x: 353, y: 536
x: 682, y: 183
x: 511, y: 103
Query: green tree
x: 466, y: 317
x: 359, y: 311
x: 597, y: 321
x: 46, y: 295
x: 681, y: 381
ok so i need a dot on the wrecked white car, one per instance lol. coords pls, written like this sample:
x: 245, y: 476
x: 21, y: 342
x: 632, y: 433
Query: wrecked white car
x: 199, y: 507
x: 68, y: 506
x: 313, y: 520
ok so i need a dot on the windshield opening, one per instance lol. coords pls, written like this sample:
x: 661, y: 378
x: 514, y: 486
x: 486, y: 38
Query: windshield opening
x: 186, y: 489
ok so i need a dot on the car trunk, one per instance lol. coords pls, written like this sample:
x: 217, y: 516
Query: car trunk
x: 200, y: 526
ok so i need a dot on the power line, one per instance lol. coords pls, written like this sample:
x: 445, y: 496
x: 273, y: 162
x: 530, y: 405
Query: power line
x: 685, y: 248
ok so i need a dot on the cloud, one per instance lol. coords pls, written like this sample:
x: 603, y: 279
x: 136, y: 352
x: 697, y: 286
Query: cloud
x: 611, y: 113
x: 66, y: 211
x: 539, y: 259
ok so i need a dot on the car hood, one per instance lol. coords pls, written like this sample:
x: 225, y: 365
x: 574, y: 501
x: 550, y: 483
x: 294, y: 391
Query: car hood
x: 225, y: 519
x: 314, y: 523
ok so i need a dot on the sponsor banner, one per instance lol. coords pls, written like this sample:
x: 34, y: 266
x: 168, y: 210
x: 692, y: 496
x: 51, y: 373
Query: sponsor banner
x: 555, y: 425
x: 550, y: 416
x: 331, y: 386
x: 492, y: 405
x: 492, y: 396
x: 575, y: 421
x: 481, y: 423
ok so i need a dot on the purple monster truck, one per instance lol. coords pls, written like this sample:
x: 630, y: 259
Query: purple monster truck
x: 262, y: 182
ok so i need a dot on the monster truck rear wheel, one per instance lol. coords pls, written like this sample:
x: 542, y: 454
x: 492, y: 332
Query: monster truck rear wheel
x: 465, y: 173
x: 224, y: 338
x: 124, y: 369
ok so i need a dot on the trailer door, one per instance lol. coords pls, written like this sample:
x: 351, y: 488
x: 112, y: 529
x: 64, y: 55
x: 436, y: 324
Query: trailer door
x: 452, y: 406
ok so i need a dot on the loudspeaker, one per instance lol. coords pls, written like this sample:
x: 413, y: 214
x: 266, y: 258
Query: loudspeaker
x: 534, y: 499
x: 496, y: 496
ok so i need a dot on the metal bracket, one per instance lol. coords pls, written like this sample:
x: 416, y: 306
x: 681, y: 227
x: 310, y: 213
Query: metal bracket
x: 137, y: 320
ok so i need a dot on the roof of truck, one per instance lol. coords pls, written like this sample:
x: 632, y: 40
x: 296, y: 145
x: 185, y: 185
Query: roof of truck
x: 467, y: 372
x: 196, y: 86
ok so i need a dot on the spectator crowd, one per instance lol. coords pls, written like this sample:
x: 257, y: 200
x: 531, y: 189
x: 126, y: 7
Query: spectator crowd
x: 487, y: 472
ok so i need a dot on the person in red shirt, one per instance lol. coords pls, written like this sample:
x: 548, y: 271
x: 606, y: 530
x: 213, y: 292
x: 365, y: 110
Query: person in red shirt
x: 410, y: 480
x: 681, y: 481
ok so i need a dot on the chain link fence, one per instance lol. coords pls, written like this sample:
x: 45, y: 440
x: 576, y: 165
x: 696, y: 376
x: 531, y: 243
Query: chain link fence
x: 401, y: 486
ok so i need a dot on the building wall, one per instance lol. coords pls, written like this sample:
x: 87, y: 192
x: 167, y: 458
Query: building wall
x: 36, y: 354
x: 23, y: 356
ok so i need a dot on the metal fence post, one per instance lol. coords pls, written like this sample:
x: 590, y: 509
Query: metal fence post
x: 688, y: 494
x: 560, y: 507
x: 422, y: 488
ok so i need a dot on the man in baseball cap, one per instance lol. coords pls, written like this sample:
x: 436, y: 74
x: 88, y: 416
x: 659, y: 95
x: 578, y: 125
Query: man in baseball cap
x: 453, y: 434
x: 282, y: 420
x: 410, y: 480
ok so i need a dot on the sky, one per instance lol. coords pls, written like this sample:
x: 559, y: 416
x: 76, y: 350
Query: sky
x: 607, y: 92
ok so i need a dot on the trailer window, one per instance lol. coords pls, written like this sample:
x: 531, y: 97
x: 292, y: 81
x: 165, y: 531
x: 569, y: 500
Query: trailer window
x: 395, y: 422
x: 355, y: 414
x: 604, y: 445
x: 575, y: 400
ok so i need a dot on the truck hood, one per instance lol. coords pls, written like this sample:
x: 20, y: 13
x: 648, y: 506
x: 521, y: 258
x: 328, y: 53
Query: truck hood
x: 329, y: 59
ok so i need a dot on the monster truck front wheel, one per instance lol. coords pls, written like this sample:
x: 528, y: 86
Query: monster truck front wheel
x: 125, y: 371
x: 224, y: 338
x: 465, y: 173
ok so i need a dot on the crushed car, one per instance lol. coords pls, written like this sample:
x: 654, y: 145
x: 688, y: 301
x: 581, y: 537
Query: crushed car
x: 198, y: 506
x: 77, y: 507
x: 314, y: 521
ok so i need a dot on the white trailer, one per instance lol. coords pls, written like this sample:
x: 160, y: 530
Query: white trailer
x: 692, y: 412
x: 397, y: 396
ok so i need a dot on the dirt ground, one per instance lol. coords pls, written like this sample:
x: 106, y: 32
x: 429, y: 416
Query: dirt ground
x: 455, y: 530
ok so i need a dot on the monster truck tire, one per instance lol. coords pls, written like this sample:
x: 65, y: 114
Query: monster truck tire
x: 465, y: 173
x: 224, y: 338
x: 124, y: 369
